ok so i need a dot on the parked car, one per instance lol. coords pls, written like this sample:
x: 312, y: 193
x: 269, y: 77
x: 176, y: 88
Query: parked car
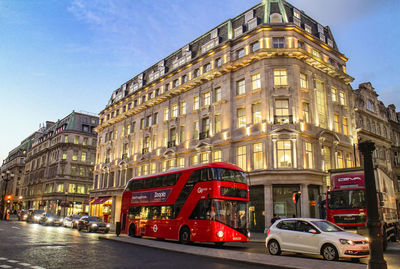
x: 22, y: 214
x: 315, y: 236
x: 50, y: 219
x: 93, y: 224
x: 34, y: 215
x: 71, y: 221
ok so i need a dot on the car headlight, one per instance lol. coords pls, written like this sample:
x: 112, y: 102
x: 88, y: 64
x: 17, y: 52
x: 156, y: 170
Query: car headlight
x: 94, y: 225
x: 108, y: 225
x: 248, y: 234
x: 220, y: 234
x: 50, y: 219
x: 345, y: 241
x: 37, y: 217
x: 61, y: 219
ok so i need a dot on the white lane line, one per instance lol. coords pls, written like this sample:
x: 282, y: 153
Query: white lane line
x: 5, y: 266
x: 2, y: 259
x: 12, y: 261
x: 24, y: 264
x: 38, y: 267
x: 14, y: 227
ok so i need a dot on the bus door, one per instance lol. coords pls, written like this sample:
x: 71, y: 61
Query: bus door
x: 201, y: 218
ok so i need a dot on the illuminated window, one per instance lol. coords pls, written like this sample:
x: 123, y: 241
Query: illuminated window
x: 303, y: 81
x: 306, y: 112
x: 72, y: 188
x: 240, y: 87
x: 195, y: 159
x: 153, y: 168
x: 255, y: 81
x: 327, y: 158
x: 280, y: 77
x: 65, y: 139
x: 165, y: 138
x: 284, y: 153
x: 204, y: 157
x: 217, y: 157
x: 182, y: 135
x: 342, y: 98
x: 217, y: 123
x: 241, y: 117
x: 282, y: 111
x: 76, y: 140
x: 181, y: 162
x: 171, y: 163
x: 336, y: 123
x: 320, y: 99
x: 296, y: 13
x: 340, y: 159
x: 64, y: 156
x: 308, y: 156
x: 166, y: 114
x: 195, y: 130
x: 75, y: 156
x: 217, y: 93
x: 83, y: 157
x: 258, y: 156
x: 349, y: 162
x: 206, y: 98
x: 278, y: 42
x: 316, y: 53
x: 256, y: 113
x: 345, y: 126
x: 154, y: 143
x: 164, y: 166
x: 175, y: 110
x: 82, y: 171
x: 60, y: 187
x: 334, y: 94
x: 241, y: 157
x: 183, y: 108
x: 196, y: 103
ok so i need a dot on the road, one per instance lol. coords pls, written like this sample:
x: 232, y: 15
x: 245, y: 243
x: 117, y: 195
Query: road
x: 24, y: 245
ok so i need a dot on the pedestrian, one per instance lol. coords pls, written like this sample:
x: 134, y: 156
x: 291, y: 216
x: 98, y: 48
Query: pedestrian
x: 274, y: 218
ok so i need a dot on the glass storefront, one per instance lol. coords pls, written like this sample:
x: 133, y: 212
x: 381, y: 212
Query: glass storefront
x: 283, y: 201
x: 315, y: 201
x: 256, y: 209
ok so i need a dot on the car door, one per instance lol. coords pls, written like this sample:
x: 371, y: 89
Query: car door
x: 286, y: 233
x: 306, y: 241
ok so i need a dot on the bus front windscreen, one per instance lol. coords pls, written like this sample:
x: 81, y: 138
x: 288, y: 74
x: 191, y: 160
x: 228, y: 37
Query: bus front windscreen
x: 230, y: 213
x: 346, y: 199
x: 229, y: 175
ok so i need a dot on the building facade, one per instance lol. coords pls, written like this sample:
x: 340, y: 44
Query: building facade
x: 266, y: 90
x: 59, y: 166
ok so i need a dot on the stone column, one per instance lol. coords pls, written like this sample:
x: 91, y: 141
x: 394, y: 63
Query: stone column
x: 304, y: 202
x: 269, y: 204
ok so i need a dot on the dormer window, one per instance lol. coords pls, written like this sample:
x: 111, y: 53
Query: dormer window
x: 197, y: 72
x: 296, y: 13
x: 184, y: 79
x: 278, y: 42
x: 207, y: 67
x: 240, y: 53
x: 255, y: 46
x: 307, y: 28
x: 238, y: 31
x: 275, y: 18
x: 176, y: 83
x: 370, y: 105
x: 218, y: 62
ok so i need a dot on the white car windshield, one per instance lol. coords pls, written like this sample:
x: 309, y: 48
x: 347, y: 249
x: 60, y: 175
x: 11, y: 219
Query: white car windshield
x: 326, y: 226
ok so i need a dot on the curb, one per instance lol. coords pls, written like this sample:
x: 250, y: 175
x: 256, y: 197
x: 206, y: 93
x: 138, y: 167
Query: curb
x: 233, y: 255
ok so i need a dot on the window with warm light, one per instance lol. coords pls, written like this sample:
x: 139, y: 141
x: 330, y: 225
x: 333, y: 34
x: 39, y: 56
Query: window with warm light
x: 204, y: 157
x: 72, y: 188
x: 206, y: 98
x: 345, y: 126
x: 308, y: 156
x: 334, y: 94
x: 183, y: 108
x: 241, y: 157
x: 217, y: 123
x: 175, y: 110
x: 256, y: 113
x: 64, y: 156
x: 217, y: 156
x: 255, y: 81
x: 195, y: 159
x: 340, y: 159
x: 165, y: 138
x: 327, y: 158
x: 195, y: 130
x: 284, y: 153
x: 320, y: 100
x: 75, y: 156
x: 182, y: 134
x: 303, y: 81
x: 181, y: 162
x: 258, y: 158
x: 342, y: 98
x: 282, y: 111
x: 241, y: 117
x: 83, y: 157
x: 196, y: 103
x: 306, y: 112
x: 336, y: 122
x: 349, y: 162
x: 153, y: 168
x: 316, y: 53
x: 76, y: 140
x: 280, y: 77
x: 166, y: 114
x: 217, y: 94
x: 240, y: 87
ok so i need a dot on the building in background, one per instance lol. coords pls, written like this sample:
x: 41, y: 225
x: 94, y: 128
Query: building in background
x: 59, y: 165
x: 266, y: 90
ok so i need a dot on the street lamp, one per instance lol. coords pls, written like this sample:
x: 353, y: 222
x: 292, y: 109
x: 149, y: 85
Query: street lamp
x: 7, y: 176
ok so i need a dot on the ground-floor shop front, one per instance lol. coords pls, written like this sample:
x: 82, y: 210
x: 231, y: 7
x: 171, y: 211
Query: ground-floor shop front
x: 106, y: 205
x: 62, y: 206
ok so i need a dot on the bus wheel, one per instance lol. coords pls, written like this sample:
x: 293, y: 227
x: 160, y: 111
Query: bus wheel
x: 132, y: 230
x: 184, y: 235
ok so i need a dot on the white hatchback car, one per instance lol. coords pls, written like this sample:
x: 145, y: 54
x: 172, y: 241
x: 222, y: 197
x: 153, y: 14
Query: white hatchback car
x: 315, y: 236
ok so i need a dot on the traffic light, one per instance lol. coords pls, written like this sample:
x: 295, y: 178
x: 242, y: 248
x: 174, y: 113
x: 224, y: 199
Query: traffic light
x: 296, y: 196
x: 8, y: 198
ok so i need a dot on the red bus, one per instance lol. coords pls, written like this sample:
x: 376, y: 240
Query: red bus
x: 204, y: 203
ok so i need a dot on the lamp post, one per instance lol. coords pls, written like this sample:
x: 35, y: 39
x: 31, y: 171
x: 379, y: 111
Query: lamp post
x: 7, y: 176
x: 374, y: 223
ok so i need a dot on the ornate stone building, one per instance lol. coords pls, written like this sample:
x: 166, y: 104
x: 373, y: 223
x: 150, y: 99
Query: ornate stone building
x: 59, y: 166
x: 394, y: 121
x: 266, y: 90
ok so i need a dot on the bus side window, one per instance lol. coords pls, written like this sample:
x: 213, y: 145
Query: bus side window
x: 134, y: 212
x: 205, y: 174
x: 194, y: 177
x: 201, y: 210
x: 164, y: 180
x: 170, y: 180
x: 138, y: 184
x: 154, y: 212
x: 157, y: 182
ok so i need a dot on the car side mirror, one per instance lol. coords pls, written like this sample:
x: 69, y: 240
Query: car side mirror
x: 312, y: 231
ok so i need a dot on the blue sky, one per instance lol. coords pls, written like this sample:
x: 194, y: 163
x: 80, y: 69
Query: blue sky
x: 57, y: 55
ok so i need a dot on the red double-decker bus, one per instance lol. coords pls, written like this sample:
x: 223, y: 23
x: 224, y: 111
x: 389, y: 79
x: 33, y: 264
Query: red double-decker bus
x: 204, y: 203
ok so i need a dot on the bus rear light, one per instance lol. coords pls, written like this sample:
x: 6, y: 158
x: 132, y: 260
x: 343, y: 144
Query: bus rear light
x: 220, y: 234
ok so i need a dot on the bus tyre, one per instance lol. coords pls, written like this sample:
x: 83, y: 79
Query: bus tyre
x: 132, y: 230
x: 274, y: 248
x: 329, y: 252
x: 184, y: 235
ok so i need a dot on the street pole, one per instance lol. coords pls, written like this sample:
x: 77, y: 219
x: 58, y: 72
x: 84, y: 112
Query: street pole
x: 7, y: 176
x: 374, y: 223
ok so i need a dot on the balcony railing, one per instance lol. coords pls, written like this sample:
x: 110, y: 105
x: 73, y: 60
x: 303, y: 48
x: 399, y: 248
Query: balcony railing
x: 283, y: 119
x: 171, y: 143
x: 204, y: 135
x: 145, y: 150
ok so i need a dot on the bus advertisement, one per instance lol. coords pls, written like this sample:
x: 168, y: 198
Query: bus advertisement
x: 204, y: 203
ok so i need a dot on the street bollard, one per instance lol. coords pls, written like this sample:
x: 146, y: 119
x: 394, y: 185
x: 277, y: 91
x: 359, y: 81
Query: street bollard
x: 118, y: 228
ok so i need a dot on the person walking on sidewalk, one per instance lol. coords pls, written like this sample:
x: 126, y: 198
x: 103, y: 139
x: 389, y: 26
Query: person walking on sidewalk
x: 274, y: 218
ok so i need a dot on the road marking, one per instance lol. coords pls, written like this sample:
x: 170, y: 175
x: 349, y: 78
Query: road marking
x: 2, y: 259
x: 24, y: 264
x: 14, y: 227
x: 12, y: 261
x: 38, y: 267
x: 5, y: 266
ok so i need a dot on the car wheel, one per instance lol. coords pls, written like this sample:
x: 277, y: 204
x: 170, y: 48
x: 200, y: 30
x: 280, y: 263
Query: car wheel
x: 184, y: 235
x: 274, y: 248
x: 329, y: 252
x: 106, y: 231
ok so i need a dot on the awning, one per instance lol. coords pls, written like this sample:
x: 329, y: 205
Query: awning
x: 100, y: 200
x: 88, y: 201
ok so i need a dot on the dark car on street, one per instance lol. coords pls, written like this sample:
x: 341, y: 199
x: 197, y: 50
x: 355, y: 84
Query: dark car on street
x: 93, y: 224
x: 22, y: 214
x: 50, y: 219
x: 34, y: 215
x: 71, y: 221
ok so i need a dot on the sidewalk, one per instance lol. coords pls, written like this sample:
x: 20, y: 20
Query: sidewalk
x: 258, y: 237
x: 238, y: 256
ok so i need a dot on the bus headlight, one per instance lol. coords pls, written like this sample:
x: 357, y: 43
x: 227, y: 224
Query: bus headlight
x: 108, y: 225
x: 248, y: 234
x: 220, y: 234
